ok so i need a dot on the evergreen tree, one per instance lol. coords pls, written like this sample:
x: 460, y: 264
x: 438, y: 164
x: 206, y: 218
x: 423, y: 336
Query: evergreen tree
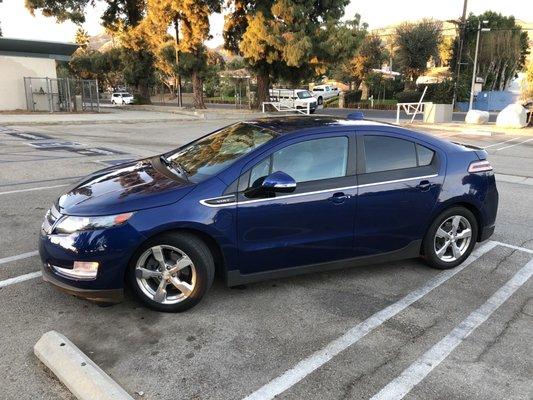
x: 280, y: 37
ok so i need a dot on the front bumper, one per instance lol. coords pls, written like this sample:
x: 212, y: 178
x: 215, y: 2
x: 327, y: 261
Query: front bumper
x: 112, y: 248
x: 105, y: 295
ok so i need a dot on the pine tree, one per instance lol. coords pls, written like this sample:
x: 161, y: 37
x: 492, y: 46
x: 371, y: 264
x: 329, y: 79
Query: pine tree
x: 191, y: 24
x: 280, y: 37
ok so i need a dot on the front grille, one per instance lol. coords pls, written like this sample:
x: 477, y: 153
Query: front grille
x: 50, y: 218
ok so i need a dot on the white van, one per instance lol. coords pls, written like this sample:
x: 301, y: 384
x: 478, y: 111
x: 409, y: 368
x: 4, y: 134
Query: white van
x: 294, y: 98
x: 323, y: 92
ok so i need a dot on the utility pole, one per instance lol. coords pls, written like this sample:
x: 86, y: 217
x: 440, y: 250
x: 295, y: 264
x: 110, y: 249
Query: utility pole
x: 474, y: 69
x: 460, y: 52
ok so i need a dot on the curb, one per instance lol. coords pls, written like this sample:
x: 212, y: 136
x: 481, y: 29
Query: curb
x: 75, y: 370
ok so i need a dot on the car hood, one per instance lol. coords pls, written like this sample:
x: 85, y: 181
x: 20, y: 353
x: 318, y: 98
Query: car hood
x: 127, y: 187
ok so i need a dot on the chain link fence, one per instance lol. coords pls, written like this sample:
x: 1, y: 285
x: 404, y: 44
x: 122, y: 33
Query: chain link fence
x: 61, y: 94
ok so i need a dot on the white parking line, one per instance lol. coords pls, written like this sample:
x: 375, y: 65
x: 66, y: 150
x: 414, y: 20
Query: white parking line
x: 512, y: 246
x: 417, y: 371
x: 35, y: 188
x: 6, y: 260
x: 21, y: 278
x: 321, y: 357
x: 497, y: 144
x: 513, y: 145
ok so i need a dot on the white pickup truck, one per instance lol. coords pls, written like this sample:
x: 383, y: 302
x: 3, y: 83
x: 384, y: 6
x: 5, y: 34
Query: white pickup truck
x: 323, y: 92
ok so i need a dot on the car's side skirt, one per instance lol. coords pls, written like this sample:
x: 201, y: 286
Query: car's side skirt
x: 412, y: 250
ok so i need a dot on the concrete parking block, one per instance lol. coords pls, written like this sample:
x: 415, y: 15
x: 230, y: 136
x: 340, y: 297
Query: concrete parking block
x: 75, y: 370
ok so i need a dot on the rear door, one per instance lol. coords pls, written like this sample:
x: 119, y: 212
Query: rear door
x: 399, y: 183
x: 312, y: 225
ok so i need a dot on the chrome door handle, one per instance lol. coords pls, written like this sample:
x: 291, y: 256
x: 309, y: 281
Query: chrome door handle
x: 338, y: 197
x: 424, y: 185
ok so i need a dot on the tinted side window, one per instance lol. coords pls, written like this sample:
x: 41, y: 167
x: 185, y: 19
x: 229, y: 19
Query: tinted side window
x: 313, y: 159
x: 425, y: 155
x: 383, y: 153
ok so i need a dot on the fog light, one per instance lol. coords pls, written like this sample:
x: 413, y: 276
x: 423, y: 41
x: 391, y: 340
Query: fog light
x: 82, y: 270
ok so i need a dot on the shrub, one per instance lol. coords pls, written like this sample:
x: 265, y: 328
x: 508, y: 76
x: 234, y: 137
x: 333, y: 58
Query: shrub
x: 352, y: 96
x: 408, y: 96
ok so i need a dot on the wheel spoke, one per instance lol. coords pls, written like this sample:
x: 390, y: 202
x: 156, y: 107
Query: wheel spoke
x: 443, y: 249
x: 465, y: 233
x: 157, y: 251
x: 456, y: 251
x: 182, y: 286
x: 455, y: 223
x: 144, y: 273
x: 161, y: 292
x: 183, y: 262
x: 441, y: 233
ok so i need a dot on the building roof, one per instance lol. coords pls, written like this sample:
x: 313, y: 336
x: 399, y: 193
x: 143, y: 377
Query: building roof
x: 33, y: 48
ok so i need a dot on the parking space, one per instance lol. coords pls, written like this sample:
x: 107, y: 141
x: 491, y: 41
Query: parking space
x: 381, y: 331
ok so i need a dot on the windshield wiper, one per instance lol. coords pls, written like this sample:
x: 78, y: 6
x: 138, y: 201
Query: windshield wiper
x: 175, y: 166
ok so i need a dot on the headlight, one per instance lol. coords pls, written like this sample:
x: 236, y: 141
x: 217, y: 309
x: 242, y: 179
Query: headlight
x: 70, y: 224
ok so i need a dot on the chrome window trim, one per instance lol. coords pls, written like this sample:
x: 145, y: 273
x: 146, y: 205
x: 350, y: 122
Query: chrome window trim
x: 204, y: 201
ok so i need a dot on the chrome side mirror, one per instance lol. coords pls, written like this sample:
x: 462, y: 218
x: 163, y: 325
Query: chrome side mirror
x: 279, y: 182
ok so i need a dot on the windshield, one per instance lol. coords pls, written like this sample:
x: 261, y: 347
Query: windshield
x: 209, y: 155
x: 304, y: 95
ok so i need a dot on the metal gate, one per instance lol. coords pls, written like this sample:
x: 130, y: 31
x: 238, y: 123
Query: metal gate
x: 61, y: 94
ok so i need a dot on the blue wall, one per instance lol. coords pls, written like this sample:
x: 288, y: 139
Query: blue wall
x: 490, y: 101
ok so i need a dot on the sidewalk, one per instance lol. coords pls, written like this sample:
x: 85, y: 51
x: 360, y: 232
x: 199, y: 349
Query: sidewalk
x: 209, y: 113
x: 489, y: 129
x: 107, y: 115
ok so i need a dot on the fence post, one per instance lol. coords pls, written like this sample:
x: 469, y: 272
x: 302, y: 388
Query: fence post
x: 398, y: 114
x: 97, y: 97
x: 48, y: 90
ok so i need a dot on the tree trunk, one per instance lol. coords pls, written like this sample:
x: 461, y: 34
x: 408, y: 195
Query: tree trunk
x: 263, y: 87
x: 144, y: 93
x: 198, y: 90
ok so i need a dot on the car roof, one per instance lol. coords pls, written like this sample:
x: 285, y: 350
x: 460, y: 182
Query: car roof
x: 284, y: 125
x: 312, y: 124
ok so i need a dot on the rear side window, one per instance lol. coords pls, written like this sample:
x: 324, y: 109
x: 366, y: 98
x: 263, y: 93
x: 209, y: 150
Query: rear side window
x: 385, y: 153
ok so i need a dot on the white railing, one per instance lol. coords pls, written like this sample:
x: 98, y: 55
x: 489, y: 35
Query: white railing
x: 280, y: 106
x: 411, y: 108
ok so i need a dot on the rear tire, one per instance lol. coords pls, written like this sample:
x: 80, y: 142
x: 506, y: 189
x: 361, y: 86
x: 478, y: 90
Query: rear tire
x: 320, y: 101
x: 451, y: 238
x: 171, y: 272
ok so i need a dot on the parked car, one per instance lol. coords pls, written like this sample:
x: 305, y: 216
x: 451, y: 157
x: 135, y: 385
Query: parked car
x: 324, y: 92
x: 294, y: 98
x: 264, y: 199
x: 121, y: 98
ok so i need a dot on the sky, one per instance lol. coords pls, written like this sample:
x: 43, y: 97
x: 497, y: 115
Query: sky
x: 17, y: 22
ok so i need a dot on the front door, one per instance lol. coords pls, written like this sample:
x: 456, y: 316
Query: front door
x: 399, y: 183
x: 312, y: 225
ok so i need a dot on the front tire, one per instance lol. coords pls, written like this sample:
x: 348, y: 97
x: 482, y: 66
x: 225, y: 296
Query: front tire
x: 451, y: 238
x: 171, y: 272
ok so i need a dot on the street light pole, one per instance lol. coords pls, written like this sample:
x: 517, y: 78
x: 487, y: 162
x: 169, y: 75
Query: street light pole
x: 460, y: 52
x: 474, y: 69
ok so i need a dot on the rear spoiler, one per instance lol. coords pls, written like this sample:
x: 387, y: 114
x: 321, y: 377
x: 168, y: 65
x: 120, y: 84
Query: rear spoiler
x: 482, y: 154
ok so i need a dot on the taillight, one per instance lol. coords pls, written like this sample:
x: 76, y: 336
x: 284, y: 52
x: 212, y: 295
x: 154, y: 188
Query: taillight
x: 479, y: 166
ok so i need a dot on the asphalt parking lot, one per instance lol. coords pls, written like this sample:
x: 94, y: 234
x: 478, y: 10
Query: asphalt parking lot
x: 381, y: 331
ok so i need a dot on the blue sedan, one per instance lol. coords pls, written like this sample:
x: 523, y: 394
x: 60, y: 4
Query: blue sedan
x: 264, y: 199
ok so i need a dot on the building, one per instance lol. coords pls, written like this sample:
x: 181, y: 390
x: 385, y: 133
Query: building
x: 27, y: 58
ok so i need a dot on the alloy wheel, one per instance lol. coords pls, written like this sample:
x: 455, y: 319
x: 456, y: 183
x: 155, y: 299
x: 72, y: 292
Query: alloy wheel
x: 165, y: 274
x: 452, y: 238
